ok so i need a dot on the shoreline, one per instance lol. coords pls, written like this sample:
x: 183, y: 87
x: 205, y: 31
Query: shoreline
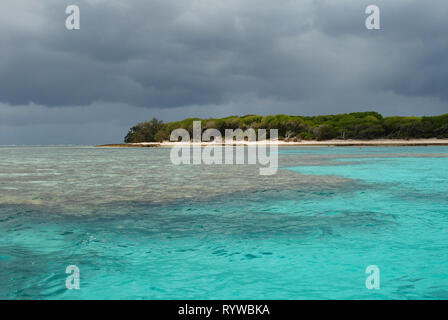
x: 282, y: 143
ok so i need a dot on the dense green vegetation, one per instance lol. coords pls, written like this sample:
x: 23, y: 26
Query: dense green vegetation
x: 359, y: 125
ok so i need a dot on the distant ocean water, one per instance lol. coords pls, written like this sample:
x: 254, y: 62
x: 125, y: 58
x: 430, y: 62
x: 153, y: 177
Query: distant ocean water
x: 139, y: 227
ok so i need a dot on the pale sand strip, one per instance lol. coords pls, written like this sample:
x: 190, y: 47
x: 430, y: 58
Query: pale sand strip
x: 326, y: 143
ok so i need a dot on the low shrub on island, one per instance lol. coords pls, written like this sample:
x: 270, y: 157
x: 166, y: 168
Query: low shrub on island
x: 358, y: 125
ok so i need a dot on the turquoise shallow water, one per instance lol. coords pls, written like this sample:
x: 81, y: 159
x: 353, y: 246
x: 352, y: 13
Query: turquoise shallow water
x: 140, y: 228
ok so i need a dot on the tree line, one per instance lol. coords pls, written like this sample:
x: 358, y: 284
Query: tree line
x: 358, y: 125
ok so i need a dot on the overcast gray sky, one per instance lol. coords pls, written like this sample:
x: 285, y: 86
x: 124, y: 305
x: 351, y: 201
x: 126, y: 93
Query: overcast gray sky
x: 135, y: 59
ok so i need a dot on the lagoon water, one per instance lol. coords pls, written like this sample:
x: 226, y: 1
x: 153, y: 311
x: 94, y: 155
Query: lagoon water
x: 139, y: 227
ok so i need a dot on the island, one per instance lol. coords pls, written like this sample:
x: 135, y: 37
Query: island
x: 350, y: 129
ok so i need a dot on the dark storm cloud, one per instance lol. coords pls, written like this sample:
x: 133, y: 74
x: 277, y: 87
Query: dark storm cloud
x: 174, y: 53
x: 412, y: 45
x: 215, y: 58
